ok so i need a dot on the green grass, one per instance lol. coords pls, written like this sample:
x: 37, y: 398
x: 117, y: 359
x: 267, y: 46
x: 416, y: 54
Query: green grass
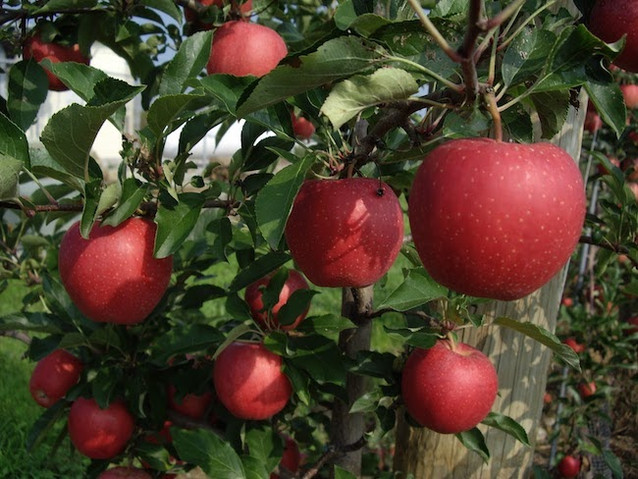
x: 19, y: 412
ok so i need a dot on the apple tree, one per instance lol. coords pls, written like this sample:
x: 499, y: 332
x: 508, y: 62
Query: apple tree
x: 405, y: 194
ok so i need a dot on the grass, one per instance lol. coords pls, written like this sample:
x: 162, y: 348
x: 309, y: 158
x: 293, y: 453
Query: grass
x: 19, y: 412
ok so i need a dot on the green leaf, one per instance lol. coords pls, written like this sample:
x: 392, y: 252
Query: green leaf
x: 188, y: 63
x: 608, y: 100
x: 508, y: 425
x: 33, y: 322
x: 366, y: 403
x: 13, y: 142
x: 296, y: 305
x: 70, y: 133
x: 552, y: 108
x: 543, y: 336
x: 79, y: 77
x: 418, y: 288
x: 28, y: 87
x: 44, y: 424
x: 175, y: 222
x: 335, y: 59
x: 526, y: 56
x: 350, y: 97
x: 274, y: 201
x: 172, y: 110
x: 264, y: 445
x: 57, y: 5
x: 475, y: 441
x: 44, y: 164
x: 255, y: 469
x: 191, y: 338
x: 204, y: 448
x: 167, y: 6
x: 92, y: 192
x: 9, y: 176
x: 614, y: 464
x: 132, y: 194
x: 227, y: 89
x: 326, y: 325
x: 258, y: 269
x: 417, y: 337
x: 340, y: 473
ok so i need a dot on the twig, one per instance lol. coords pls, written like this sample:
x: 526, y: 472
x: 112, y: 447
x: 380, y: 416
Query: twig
x: 432, y: 30
x: 332, y: 453
x: 19, y: 335
x: 616, y: 248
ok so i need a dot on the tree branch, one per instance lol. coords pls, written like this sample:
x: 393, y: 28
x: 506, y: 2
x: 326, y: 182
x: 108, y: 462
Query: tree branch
x: 19, y: 335
x: 616, y: 248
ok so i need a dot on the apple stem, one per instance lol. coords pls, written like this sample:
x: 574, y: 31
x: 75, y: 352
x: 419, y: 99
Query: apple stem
x: 492, y: 108
x: 452, y: 340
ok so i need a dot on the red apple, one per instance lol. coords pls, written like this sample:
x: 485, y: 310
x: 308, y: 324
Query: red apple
x: 495, y: 219
x: 547, y: 398
x: 163, y: 436
x: 587, y: 389
x: 345, y: 233
x: 190, y: 405
x: 302, y: 127
x: 100, y: 433
x: 630, y: 167
x: 610, y: 20
x: 567, y: 302
x: 634, y: 189
x: 113, y: 277
x: 602, y: 170
x: 53, y: 376
x: 634, y: 329
x: 569, y: 466
x: 249, y: 381
x: 243, y: 48
x: 575, y: 345
x: 124, y: 472
x: 630, y: 95
x: 254, y: 293
x: 34, y: 47
x: 449, y: 388
x: 291, y: 458
x: 593, y: 122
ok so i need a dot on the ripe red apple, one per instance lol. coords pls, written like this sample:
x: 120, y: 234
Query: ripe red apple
x: 113, y: 277
x: 345, y: 233
x: 567, y: 302
x: 100, y: 433
x: 124, y: 472
x: 575, y: 345
x: 244, y: 48
x: 587, y: 389
x: 291, y: 458
x: 569, y: 466
x: 254, y: 293
x: 495, y: 219
x: 593, y: 121
x: 302, y: 127
x: 630, y: 94
x: 34, y: 47
x: 191, y: 405
x: 249, y: 381
x: 191, y: 16
x: 53, y: 376
x: 610, y: 20
x: 547, y: 398
x: 449, y: 388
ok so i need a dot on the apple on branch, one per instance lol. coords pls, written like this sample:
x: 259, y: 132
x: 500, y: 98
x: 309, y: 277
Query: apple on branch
x: 450, y: 387
x: 494, y: 219
x: 112, y: 276
x: 100, y: 433
x: 244, y: 10
x: 610, y: 20
x: 53, y: 376
x: 124, y: 472
x: 290, y: 460
x: 569, y: 466
x: 249, y: 381
x: 270, y: 319
x: 244, y: 48
x: 345, y: 233
x: 35, y: 47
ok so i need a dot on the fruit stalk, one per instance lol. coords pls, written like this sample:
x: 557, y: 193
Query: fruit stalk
x: 347, y: 428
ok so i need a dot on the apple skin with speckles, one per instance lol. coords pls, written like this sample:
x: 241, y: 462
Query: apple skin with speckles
x: 449, y: 388
x: 112, y: 276
x: 609, y: 20
x: 249, y: 381
x: 345, y: 233
x: 243, y: 48
x: 100, y: 433
x: 496, y: 220
x: 53, y: 376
